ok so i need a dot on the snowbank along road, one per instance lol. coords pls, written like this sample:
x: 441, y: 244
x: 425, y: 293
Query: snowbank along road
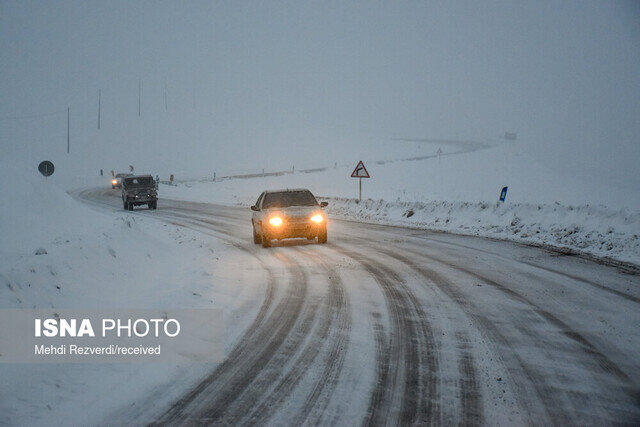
x: 386, y: 325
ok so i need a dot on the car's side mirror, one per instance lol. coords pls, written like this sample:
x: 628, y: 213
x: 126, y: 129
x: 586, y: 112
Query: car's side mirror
x: 255, y: 208
x: 323, y: 204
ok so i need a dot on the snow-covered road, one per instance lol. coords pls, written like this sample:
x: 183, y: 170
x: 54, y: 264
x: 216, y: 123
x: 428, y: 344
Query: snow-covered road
x: 388, y: 325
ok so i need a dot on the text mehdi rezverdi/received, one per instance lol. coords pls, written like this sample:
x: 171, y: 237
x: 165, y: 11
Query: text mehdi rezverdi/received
x: 110, y: 350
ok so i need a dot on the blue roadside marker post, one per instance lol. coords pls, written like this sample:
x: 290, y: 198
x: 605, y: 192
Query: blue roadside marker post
x: 503, y: 194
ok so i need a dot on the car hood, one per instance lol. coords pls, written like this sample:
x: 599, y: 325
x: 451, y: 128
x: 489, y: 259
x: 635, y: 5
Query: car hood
x: 294, y: 211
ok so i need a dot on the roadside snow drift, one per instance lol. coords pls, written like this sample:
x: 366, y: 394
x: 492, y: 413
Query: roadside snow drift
x: 36, y: 213
x: 596, y: 231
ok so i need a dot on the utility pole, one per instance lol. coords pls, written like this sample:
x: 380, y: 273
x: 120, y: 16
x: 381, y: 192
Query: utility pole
x: 68, y: 133
x: 139, y: 94
x: 99, y: 101
x: 165, y: 97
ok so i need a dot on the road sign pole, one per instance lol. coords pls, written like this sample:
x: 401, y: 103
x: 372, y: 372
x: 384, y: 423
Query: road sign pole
x: 360, y: 172
x: 68, y: 132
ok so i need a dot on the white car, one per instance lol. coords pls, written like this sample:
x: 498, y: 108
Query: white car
x: 284, y: 214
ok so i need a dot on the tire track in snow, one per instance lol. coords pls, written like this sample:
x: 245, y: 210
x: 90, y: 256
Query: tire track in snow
x: 289, y: 379
x: 555, y: 400
x: 555, y: 407
x: 580, y: 279
x: 321, y: 396
x: 208, y: 403
x: 247, y: 360
x: 338, y: 309
x: 469, y: 384
x: 406, y: 387
x: 522, y: 376
x: 471, y: 398
x: 273, y: 384
x: 602, y: 360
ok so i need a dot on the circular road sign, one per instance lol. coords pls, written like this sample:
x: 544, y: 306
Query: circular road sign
x: 46, y: 168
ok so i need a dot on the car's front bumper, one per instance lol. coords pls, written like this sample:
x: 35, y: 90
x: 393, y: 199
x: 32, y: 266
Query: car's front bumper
x: 293, y: 229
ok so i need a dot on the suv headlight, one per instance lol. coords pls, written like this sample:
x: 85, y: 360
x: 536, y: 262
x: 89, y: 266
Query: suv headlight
x: 317, y: 218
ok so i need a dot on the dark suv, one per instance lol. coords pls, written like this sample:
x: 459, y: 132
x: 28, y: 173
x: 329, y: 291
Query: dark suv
x: 284, y: 214
x: 139, y: 190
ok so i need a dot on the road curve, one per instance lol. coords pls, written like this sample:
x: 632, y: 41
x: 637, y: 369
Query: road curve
x: 387, y: 325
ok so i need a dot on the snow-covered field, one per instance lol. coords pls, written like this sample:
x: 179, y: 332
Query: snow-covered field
x: 96, y: 260
x: 458, y: 192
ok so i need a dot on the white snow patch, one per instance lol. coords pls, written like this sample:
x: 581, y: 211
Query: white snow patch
x: 592, y: 230
x: 99, y: 259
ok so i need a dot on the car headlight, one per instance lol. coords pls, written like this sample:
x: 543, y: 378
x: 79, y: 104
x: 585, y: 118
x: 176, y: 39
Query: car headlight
x: 317, y: 218
x: 276, y: 221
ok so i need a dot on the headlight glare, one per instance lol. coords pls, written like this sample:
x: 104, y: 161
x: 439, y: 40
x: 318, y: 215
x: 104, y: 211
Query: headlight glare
x: 317, y: 218
x: 276, y: 221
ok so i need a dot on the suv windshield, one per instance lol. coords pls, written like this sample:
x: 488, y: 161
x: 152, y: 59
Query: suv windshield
x: 289, y: 198
x: 140, y: 181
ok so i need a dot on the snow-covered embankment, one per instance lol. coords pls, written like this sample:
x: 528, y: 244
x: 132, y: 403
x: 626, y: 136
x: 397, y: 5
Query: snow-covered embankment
x: 56, y: 252
x: 589, y: 230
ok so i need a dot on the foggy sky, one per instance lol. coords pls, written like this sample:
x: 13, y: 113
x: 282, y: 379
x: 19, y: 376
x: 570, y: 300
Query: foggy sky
x: 267, y: 84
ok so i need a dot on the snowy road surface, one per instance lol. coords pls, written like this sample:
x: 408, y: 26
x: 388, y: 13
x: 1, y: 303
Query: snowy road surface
x: 386, y: 325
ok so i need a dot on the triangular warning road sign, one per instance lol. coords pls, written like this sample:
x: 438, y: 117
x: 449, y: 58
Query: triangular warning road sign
x: 360, y: 171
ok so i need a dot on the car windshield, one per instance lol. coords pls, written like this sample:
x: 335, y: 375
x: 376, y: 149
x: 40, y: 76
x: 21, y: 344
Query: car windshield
x: 141, y: 181
x: 289, y: 198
